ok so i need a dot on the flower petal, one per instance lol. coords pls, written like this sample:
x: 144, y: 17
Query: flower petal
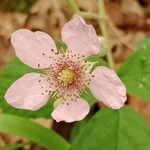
x: 35, y: 49
x: 107, y: 86
x: 71, y: 111
x: 80, y: 37
x: 29, y: 92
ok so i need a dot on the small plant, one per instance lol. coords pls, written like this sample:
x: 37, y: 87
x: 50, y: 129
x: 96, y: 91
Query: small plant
x: 63, y: 80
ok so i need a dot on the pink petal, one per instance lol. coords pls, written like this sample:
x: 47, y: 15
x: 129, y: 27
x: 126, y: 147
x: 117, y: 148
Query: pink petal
x: 71, y: 111
x: 107, y: 86
x: 29, y: 92
x: 80, y: 37
x: 35, y: 49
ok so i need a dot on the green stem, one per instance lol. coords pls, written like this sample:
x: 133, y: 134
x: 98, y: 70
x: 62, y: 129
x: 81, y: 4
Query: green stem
x: 103, y: 26
x: 73, y: 5
x: 89, y: 15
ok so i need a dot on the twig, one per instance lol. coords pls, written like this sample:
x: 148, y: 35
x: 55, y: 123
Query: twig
x: 103, y: 26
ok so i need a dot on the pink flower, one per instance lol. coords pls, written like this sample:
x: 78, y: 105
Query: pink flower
x: 66, y: 74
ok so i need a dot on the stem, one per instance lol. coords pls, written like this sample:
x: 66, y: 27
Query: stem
x: 89, y: 15
x: 103, y: 26
x: 73, y: 5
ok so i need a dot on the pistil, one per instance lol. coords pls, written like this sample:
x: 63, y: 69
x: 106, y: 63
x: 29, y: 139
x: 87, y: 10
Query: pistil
x: 66, y: 76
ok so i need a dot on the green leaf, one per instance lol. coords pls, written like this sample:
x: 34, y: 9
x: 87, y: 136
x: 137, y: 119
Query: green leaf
x: 33, y: 131
x: 78, y: 127
x: 61, y: 46
x: 13, y: 146
x: 13, y: 71
x: 135, y: 71
x: 111, y: 129
x: 87, y: 95
x: 97, y: 60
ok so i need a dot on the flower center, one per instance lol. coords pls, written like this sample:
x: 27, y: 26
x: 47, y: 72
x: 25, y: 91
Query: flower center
x: 67, y: 75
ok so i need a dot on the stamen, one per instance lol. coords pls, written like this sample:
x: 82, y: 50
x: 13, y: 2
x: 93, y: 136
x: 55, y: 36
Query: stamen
x: 68, y: 74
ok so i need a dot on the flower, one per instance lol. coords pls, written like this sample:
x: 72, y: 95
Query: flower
x: 66, y: 74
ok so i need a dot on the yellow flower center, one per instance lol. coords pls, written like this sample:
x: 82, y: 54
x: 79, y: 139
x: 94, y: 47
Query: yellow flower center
x: 67, y: 75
